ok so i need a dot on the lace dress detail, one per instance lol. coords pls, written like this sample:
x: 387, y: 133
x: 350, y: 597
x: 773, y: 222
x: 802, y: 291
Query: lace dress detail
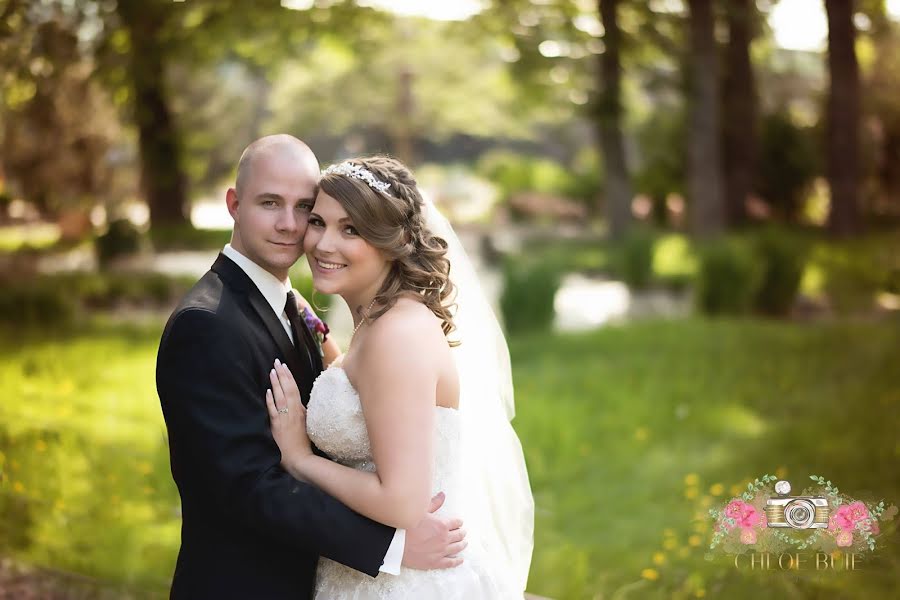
x: 336, y: 425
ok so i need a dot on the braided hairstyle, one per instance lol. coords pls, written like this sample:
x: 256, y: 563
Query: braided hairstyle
x: 394, y: 223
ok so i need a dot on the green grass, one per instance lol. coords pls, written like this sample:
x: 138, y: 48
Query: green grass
x: 619, y: 427
x: 86, y: 484
x: 617, y: 424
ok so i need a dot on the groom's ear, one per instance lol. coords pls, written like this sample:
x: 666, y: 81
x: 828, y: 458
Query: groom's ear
x: 231, y: 201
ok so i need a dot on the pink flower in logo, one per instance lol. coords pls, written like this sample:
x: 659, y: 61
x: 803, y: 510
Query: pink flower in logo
x: 744, y: 515
x: 842, y: 519
x: 844, y: 539
x: 734, y: 509
x: 858, y: 511
x: 748, y: 536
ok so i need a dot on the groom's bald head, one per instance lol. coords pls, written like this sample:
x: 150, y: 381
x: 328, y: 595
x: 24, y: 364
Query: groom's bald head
x: 281, y: 147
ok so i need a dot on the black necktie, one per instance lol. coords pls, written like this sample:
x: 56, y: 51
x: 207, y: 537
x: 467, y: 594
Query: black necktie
x: 298, y: 325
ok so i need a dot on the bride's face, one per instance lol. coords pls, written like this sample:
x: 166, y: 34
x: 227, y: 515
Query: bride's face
x: 341, y: 261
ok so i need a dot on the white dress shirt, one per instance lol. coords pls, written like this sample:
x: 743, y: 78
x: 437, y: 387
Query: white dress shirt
x: 275, y: 292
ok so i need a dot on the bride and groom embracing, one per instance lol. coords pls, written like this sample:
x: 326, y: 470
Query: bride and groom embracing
x: 351, y: 481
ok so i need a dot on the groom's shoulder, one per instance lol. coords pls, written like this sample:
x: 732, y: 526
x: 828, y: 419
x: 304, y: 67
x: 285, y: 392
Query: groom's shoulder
x: 207, y: 300
x: 206, y: 294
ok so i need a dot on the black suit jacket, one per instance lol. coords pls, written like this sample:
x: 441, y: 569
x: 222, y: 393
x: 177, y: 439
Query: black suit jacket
x: 249, y: 530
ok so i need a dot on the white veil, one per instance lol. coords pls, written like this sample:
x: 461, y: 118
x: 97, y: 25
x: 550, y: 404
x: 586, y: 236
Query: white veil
x: 497, y: 505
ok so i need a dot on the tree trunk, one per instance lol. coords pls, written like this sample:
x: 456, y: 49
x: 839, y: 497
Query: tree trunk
x: 402, y: 129
x: 843, y: 119
x: 162, y: 176
x: 704, y: 154
x: 609, y: 123
x: 889, y: 173
x: 739, y: 106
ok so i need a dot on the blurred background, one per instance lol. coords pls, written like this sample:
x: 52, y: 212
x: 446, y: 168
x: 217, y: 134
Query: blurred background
x: 687, y: 213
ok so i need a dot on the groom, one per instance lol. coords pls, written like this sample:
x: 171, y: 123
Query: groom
x: 249, y: 530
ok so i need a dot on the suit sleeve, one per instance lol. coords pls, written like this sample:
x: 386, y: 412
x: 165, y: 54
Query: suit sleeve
x: 219, y: 428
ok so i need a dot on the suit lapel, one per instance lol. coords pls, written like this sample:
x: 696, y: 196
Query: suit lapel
x: 238, y: 280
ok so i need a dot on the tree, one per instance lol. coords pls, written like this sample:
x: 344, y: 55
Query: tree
x: 162, y: 171
x: 843, y: 120
x: 58, y: 123
x: 608, y: 114
x: 704, y: 151
x: 739, y: 110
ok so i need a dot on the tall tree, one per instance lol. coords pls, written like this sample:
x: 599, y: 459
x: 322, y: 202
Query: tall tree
x: 843, y: 119
x: 704, y: 152
x: 162, y: 170
x: 609, y: 120
x: 739, y: 110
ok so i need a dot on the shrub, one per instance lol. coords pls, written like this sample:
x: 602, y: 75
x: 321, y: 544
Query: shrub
x: 633, y: 258
x: 121, y: 239
x: 514, y: 173
x: 36, y: 303
x: 527, y: 298
x: 56, y: 299
x: 728, y: 277
x: 853, y: 276
x: 186, y: 237
x: 782, y: 257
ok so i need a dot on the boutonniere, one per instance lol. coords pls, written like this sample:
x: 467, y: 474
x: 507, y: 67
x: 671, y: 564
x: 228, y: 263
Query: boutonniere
x: 317, y: 327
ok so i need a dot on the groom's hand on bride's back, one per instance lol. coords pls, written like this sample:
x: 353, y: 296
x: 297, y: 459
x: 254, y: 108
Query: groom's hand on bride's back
x: 435, y: 542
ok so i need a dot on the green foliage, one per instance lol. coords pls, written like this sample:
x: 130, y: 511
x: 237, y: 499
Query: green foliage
x: 512, y: 172
x: 728, y: 277
x: 782, y: 256
x: 35, y: 303
x: 55, y: 300
x: 121, y: 239
x: 788, y: 162
x: 633, y: 258
x: 674, y: 260
x: 663, y: 167
x: 166, y: 238
x: 855, y: 271
x: 529, y: 289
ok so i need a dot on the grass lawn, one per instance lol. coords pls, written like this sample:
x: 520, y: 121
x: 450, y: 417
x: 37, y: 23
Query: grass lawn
x: 627, y: 432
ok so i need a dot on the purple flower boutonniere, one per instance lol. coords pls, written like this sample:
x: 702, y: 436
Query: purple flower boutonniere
x: 317, y: 327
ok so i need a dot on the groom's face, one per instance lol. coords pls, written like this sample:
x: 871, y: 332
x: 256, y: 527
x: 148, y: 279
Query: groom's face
x: 271, y: 213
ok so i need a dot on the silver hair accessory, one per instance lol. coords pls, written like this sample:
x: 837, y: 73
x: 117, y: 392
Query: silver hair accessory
x: 357, y: 172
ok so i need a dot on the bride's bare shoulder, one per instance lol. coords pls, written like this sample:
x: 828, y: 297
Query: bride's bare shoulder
x: 408, y: 322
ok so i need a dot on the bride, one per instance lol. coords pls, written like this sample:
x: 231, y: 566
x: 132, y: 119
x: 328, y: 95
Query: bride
x: 421, y: 401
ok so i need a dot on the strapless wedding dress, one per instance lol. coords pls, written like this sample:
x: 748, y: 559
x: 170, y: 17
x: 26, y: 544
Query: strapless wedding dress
x: 336, y: 425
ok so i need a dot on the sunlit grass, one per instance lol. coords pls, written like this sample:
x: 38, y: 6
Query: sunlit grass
x: 631, y: 433
x: 87, y: 485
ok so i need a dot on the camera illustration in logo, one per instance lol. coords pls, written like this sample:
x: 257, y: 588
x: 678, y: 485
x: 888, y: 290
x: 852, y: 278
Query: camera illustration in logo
x: 797, y: 512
